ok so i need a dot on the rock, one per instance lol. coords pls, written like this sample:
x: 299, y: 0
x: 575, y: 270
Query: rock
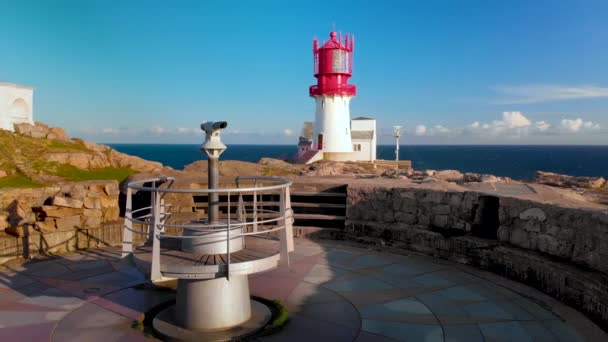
x: 440, y: 221
x: 67, y: 202
x: 76, y: 159
x: 57, y: 133
x: 533, y: 214
x: 91, y: 222
x: 565, y: 181
x: 93, y: 146
x: 98, y: 213
x: 449, y: 175
x: 68, y: 223
x: 3, y: 222
x: 55, y: 211
x: 38, y: 131
x: 92, y: 203
x: 112, y: 189
x: 3, y: 173
x: 20, y: 231
x: 47, y: 226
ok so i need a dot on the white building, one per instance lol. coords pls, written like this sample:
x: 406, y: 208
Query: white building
x: 363, y: 134
x: 362, y: 141
x: 16, y: 105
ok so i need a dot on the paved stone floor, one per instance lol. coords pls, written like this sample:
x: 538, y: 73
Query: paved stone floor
x: 334, y: 291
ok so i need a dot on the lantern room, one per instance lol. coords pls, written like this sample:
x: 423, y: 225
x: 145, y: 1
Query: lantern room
x: 333, y: 66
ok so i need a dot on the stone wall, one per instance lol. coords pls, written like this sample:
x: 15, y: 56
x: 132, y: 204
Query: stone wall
x: 58, y: 213
x: 557, y: 250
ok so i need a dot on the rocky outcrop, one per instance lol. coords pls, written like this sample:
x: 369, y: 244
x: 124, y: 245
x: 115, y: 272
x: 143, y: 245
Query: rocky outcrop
x: 566, y: 181
x: 66, y: 207
x: 41, y: 131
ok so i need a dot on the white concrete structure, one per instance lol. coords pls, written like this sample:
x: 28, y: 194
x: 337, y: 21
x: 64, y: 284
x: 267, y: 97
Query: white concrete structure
x: 363, y: 133
x: 332, y: 126
x: 362, y: 142
x: 16, y: 105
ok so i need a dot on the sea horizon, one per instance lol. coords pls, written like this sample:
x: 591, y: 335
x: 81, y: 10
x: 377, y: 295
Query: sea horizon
x: 515, y: 161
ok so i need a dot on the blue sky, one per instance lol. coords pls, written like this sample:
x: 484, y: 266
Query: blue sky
x: 451, y: 72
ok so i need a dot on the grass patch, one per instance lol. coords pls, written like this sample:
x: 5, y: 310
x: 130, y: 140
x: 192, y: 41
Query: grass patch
x: 74, y: 174
x: 18, y: 181
x: 66, y: 145
x: 280, y: 317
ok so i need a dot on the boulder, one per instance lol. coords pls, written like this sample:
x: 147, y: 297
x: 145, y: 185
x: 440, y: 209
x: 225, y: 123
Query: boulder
x: 533, y: 214
x: 3, y: 173
x: 47, y: 226
x: 56, y: 212
x: 565, y: 181
x: 449, y: 175
x: 67, y: 202
x: 76, y: 159
x: 38, y: 131
x: 57, y: 133
x: 3, y: 222
x: 68, y: 223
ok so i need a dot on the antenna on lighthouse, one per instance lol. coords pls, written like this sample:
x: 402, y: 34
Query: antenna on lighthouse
x: 397, y: 134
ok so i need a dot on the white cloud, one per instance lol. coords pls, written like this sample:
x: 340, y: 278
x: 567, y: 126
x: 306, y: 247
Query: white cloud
x: 578, y: 124
x: 288, y: 132
x: 421, y: 130
x: 542, y: 125
x: 514, y: 120
x: 535, y: 93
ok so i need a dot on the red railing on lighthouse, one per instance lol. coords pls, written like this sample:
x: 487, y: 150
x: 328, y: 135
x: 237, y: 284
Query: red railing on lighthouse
x: 333, y: 66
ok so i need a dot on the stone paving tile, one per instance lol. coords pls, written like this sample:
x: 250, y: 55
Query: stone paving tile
x: 305, y: 329
x: 440, y: 306
x: 462, y: 333
x: 404, y: 331
x: 562, y: 331
x: 43, y: 269
x: 505, y: 332
x: 487, y: 310
x: 320, y: 274
x: 29, y: 333
x: 369, y: 337
x: 461, y: 294
x: 398, y: 307
x: 93, y: 323
x: 14, y: 280
x: 535, y: 309
x: 137, y: 301
x: 342, y: 313
x: 54, y: 298
x: 538, y: 332
x: 305, y: 293
x: 357, y: 283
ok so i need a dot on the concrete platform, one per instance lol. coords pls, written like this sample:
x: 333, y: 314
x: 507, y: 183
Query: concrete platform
x: 335, y: 292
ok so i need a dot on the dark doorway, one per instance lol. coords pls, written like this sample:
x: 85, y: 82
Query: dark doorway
x: 486, y: 218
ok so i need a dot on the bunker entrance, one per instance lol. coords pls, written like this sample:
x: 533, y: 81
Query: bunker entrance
x: 486, y: 218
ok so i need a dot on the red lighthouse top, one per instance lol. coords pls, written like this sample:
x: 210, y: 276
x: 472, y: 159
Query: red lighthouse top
x: 333, y: 66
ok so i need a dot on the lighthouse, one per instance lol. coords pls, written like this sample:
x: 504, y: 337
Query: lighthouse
x: 333, y: 66
x: 333, y: 135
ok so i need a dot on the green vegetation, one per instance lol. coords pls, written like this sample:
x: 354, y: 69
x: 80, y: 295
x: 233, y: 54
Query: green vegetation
x: 18, y: 181
x: 74, y: 174
x: 280, y: 317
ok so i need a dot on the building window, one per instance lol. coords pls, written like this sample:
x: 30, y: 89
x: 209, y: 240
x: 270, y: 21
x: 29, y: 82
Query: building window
x: 357, y: 147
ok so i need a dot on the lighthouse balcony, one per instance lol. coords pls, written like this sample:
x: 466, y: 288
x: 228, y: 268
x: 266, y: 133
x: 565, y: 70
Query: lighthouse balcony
x: 340, y: 89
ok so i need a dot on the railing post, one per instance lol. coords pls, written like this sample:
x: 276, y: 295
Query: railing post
x: 127, y: 233
x: 156, y: 231
x: 283, y: 232
x: 255, y: 207
x: 289, y: 220
x: 153, y: 213
x: 228, y: 241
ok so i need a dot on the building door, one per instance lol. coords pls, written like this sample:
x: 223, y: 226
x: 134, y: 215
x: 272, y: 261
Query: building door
x: 320, y: 142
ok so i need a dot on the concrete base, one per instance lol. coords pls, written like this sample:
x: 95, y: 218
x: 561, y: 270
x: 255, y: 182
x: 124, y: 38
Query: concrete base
x: 212, y: 304
x: 165, y: 325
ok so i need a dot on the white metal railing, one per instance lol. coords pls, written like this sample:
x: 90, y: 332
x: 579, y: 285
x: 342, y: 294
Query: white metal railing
x: 154, y: 217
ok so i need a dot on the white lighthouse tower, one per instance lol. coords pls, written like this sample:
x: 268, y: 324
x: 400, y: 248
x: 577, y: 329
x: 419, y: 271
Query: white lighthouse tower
x: 332, y: 94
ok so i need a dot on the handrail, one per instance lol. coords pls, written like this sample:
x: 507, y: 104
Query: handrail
x: 154, y: 216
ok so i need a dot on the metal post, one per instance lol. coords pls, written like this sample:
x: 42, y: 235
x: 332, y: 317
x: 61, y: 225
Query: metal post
x: 228, y: 241
x: 213, y: 178
x: 397, y: 134
x: 127, y: 232
x: 284, y: 240
x: 156, y: 231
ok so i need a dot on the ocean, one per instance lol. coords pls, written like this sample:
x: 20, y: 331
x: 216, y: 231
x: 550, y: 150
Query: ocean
x: 517, y: 162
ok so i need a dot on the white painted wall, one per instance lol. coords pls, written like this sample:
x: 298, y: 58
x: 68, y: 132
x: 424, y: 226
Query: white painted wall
x: 332, y: 119
x: 368, y: 148
x: 16, y: 105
